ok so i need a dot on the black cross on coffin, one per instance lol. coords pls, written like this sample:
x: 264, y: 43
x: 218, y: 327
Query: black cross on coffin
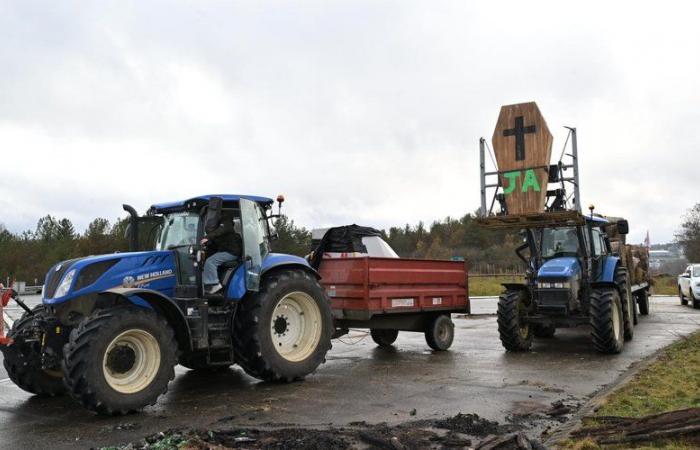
x: 519, y: 132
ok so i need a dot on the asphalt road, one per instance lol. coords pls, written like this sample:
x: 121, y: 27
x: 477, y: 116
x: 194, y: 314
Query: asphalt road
x: 361, y: 382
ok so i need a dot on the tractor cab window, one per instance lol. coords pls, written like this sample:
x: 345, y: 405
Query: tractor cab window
x: 598, y: 245
x: 559, y: 242
x: 179, y: 230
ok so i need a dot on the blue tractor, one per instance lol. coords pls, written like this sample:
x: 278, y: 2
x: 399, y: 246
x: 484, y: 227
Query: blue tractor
x: 575, y: 277
x: 111, y: 328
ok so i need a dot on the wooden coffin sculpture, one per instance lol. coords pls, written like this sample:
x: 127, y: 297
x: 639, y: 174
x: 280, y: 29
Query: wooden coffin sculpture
x: 523, y: 147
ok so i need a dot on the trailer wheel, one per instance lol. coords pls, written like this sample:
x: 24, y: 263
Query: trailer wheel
x: 440, y: 333
x: 606, y: 320
x: 626, y: 300
x: 643, y: 302
x: 684, y: 300
x: 119, y: 360
x: 283, y: 332
x: 515, y: 333
x: 22, y: 360
x: 384, y: 338
x: 544, y: 331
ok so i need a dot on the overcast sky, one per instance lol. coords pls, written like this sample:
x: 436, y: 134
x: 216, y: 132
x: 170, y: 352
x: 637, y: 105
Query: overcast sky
x: 359, y: 111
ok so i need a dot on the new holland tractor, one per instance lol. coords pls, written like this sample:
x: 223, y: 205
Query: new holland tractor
x: 111, y: 328
x: 578, y: 270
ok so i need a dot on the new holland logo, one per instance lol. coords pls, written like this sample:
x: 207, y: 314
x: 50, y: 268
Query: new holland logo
x: 144, y: 278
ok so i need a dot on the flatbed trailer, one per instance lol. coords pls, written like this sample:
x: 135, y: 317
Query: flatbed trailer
x: 388, y: 295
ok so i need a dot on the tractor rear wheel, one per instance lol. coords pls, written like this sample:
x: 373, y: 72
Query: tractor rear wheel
x: 643, y: 302
x: 544, y: 331
x: 515, y: 333
x: 22, y: 359
x: 119, y: 360
x: 627, y: 301
x: 606, y: 320
x: 283, y: 332
x: 384, y: 338
x: 440, y: 333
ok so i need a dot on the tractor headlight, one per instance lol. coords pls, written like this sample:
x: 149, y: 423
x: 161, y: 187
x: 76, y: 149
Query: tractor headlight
x: 64, y: 287
x: 544, y: 285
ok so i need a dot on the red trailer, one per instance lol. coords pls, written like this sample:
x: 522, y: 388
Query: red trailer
x: 388, y: 295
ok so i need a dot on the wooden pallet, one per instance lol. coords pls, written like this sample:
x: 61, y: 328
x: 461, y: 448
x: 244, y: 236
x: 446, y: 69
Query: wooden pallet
x: 533, y: 220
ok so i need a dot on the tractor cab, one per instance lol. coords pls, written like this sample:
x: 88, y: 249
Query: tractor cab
x: 179, y: 227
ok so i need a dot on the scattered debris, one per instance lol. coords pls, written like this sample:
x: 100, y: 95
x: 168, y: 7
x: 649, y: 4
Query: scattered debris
x: 458, y: 432
x: 513, y: 441
x: 470, y: 424
x: 559, y: 409
x: 684, y: 423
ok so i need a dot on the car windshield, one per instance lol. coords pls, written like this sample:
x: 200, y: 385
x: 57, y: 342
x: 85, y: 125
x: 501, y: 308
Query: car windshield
x: 696, y: 270
x: 559, y: 242
x: 178, y: 229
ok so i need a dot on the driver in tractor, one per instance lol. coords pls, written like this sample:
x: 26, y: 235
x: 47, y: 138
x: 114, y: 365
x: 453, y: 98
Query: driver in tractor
x: 226, y: 243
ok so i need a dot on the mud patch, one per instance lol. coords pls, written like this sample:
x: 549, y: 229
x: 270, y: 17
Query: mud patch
x: 460, y: 431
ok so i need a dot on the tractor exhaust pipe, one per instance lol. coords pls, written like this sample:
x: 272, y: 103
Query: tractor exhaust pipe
x: 133, y: 229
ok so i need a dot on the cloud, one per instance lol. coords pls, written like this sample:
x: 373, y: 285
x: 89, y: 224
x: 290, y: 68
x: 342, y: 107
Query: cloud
x: 360, y: 112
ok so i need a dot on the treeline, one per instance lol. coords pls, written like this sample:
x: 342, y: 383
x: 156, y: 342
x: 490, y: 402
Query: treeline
x: 27, y: 256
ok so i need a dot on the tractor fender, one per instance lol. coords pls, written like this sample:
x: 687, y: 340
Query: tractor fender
x: 164, y: 305
x: 608, y: 273
x: 291, y: 265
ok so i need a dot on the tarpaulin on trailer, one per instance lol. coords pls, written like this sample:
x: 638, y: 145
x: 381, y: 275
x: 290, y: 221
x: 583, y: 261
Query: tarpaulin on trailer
x: 345, y: 239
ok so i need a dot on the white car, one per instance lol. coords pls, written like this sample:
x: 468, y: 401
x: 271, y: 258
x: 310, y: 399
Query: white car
x: 689, y: 286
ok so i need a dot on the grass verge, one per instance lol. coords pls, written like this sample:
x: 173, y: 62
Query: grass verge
x: 670, y: 383
x: 490, y: 285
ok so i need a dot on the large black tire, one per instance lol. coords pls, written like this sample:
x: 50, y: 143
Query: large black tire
x: 626, y: 300
x: 22, y: 360
x: 257, y: 319
x: 110, y: 344
x: 643, y: 302
x: 606, y: 320
x: 544, y: 331
x: 515, y: 334
x: 440, y: 333
x: 684, y: 299
x: 384, y: 338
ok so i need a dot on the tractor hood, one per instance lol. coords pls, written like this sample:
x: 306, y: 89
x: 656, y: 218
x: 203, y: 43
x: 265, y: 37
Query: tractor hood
x: 94, y: 274
x: 564, y: 267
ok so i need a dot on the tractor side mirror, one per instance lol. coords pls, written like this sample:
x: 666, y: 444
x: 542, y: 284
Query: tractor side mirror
x: 623, y: 227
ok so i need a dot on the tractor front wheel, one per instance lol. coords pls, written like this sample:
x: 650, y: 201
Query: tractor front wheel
x: 119, y: 360
x: 607, y: 320
x: 515, y: 332
x: 23, y: 358
x: 283, y: 332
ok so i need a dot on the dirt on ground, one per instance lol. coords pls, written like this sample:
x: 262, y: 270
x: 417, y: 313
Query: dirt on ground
x: 461, y: 431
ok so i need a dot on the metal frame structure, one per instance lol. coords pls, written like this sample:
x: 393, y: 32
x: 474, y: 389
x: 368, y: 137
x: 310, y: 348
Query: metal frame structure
x: 557, y: 199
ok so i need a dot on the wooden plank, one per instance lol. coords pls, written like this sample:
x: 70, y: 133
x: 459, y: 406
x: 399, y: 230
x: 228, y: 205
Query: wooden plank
x: 533, y: 220
x: 522, y: 144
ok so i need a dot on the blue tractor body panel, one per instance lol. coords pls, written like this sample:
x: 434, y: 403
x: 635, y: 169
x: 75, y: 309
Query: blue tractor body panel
x: 563, y: 267
x: 153, y: 270
x: 607, y: 274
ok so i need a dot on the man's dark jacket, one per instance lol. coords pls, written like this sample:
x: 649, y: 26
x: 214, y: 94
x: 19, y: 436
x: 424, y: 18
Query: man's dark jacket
x: 225, y: 238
